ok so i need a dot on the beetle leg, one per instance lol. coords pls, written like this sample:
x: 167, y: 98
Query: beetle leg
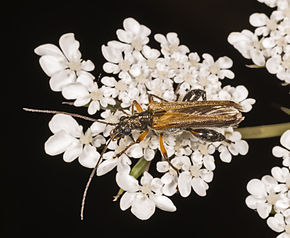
x: 209, y: 135
x: 194, y: 95
x: 139, y: 139
x: 138, y: 107
x: 164, y: 153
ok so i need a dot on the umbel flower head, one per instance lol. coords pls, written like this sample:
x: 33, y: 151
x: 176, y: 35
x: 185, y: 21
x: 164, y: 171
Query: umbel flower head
x: 171, y: 74
x: 270, y: 196
x: 269, y: 45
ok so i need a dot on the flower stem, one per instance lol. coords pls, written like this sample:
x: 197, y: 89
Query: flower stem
x: 264, y: 131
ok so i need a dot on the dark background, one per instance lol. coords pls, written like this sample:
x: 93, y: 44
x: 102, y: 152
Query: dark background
x: 42, y: 194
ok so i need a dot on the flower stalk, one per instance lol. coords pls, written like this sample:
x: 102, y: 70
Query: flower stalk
x: 264, y: 131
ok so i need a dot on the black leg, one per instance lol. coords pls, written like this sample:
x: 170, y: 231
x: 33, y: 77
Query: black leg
x: 208, y: 135
x: 194, y: 95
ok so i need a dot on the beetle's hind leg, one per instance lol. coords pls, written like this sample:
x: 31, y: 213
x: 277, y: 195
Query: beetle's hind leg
x: 194, y: 95
x: 209, y: 135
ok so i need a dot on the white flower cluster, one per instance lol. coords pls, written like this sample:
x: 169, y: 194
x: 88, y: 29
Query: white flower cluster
x: 270, y: 196
x: 268, y: 46
x: 137, y: 70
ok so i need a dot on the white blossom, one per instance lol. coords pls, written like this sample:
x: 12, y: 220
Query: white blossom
x: 64, y: 65
x: 68, y: 138
x: 144, y: 198
x: 93, y: 96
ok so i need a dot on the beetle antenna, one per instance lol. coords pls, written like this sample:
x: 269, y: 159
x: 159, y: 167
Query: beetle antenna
x: 90, y: 179
x: 67, y: 113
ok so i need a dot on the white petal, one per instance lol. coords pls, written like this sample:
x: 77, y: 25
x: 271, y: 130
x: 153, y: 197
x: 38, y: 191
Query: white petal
x: 126, y: 200
x: 269, y: 42
x: 142, y: 207
x: 280, y: 174
x: 124, y: 36
x: 163, y: 203
x: 149, y: 154
x: 48, y: 49
x: 111, y: 54
x: 89, y: 157
x: 74, y: 91
x: 109, y: 81
x: 209, y: 162
x: 97, y: 128
x: 58, y: 143
x: 242, y: 147
x: 199, y: 186
x: 273, y: 64
x: 146, y: 178
x: 70, y: 46
x: 72, y: 152
x: 93, y: 107
x: 111, y: 68
x: 66, y: 123
x: 61, y: 79
x: 258, y: 19
x: 226, y: 156
x: 135, y: 151
x: 130, y: 24
x: 257, y: 188
x: 162, y: 166
x: 172, y: 38
x: 225, y: 62
x: 276, y: 223
x: 264, y: 209
x: 52, y: 64
x: 257, y: 57
x: 85, y: 78
x: 87, y: 65
x: 184, y: 184
x: 106, y: 166
x: 127, y: 182
x: 278, y: 151
x: 252, y: 201
x: 285, y: 139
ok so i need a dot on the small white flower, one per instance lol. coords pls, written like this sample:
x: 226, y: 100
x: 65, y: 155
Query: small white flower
x: 69, y: 139
x: 264, y: 195
x: 170, y: 44
x: 237, y: 145
x: 193, y: 176
x: 64, y: 66
x: 265, y: 25
x: 270, y: 3
x: 248, y: 44
x: 219, y: 68
x: 134, y: 34
x: 144, y: 198
x: 279, y: 151
x: 119, y: 61
x: 93, y: 96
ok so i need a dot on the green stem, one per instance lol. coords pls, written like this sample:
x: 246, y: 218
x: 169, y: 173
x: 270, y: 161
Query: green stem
x: 264, y: 131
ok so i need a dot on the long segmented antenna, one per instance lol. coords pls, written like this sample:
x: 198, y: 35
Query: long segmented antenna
x: 90, y: 179
x: 68, y: 113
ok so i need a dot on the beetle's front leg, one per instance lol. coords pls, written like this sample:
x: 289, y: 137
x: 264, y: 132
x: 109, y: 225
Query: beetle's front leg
x: 194, y: 95
x: 209, y: 135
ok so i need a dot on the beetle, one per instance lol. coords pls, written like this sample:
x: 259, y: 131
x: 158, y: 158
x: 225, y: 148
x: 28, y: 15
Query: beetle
x: 200, y: 117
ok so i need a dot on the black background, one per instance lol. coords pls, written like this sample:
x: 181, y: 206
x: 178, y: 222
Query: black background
x: 42, y: 194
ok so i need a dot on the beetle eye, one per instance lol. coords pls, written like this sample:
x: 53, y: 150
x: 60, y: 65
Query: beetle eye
x: 127, y: 131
